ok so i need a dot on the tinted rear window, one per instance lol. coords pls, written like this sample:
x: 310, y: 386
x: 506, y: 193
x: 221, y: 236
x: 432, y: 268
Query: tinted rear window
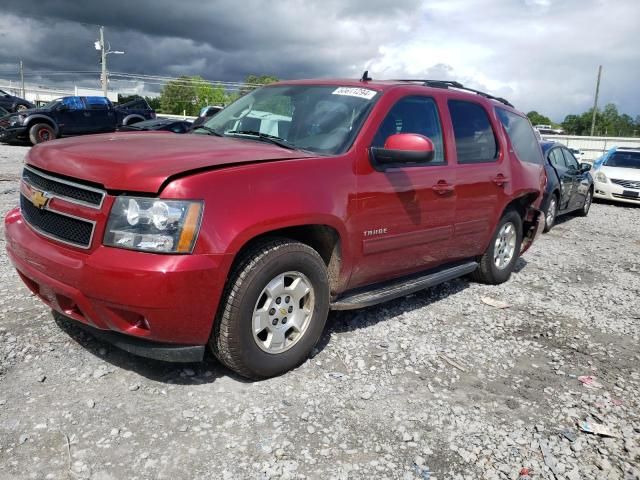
x: 624, y: 160
x: 475, y: 141
x: 521, y: 135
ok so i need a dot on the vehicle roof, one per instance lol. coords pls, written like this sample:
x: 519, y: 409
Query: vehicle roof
x: 385, y: 85
x: 547, y: 144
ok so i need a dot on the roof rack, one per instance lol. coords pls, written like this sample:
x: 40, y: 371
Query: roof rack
x: 453, y: 84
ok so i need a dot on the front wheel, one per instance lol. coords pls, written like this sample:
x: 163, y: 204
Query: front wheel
x: 551, y: 213
x: 274, y: 311
x: 21, y: 108
x: 498, y: 261
x: 584, y: 211
x: 41, y: 132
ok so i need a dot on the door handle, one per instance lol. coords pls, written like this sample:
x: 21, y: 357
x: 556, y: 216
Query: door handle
x: 442, y: 187
x: 500, y: 180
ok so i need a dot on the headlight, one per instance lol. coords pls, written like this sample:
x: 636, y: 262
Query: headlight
x: 601, y: 177
x: 153, y: 224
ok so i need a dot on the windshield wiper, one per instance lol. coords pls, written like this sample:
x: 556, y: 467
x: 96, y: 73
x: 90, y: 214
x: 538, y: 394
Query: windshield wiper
x: 281, y: 142
x: 208, y: 129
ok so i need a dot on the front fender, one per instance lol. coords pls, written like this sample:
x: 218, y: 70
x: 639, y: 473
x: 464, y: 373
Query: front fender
x: 39, y: 118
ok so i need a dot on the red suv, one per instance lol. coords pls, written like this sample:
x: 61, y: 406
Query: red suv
x: 299, y: 198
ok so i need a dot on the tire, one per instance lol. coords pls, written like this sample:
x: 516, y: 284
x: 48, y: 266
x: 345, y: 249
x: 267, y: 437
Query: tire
x: 584, y: 211
x: 237, y: 340
x: 551, y: 213
x: 488, y: 270
x: 41, y: 132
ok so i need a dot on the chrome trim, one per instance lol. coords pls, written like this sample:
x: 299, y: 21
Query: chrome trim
x: 66, y: 182
x: 58, y: 239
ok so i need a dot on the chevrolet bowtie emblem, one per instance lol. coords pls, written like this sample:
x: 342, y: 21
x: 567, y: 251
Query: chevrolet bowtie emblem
x: 39, y: 199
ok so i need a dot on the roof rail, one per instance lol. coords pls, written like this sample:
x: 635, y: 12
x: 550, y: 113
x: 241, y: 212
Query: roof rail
x: 456, y: 85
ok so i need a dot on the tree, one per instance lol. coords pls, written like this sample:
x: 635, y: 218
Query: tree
x: 253, y: 81
x: 538, y: 119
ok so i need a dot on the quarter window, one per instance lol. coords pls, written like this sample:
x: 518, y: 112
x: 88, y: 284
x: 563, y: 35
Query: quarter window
x: 475, y: 140
x: 413, y: 115
x: 522, y: 136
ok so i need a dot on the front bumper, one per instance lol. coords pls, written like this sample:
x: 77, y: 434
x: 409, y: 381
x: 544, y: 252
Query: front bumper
x: 170, y: 299
x: 616, y: 193
x: 10, y: 134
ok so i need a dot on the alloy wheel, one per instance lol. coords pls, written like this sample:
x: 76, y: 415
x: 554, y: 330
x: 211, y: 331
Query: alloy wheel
x: 283, y: 312
x: 505, y: 246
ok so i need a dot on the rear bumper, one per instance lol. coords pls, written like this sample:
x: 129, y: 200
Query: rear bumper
x: 531, y: 228
x: 615, y: 193
x: 170, y: 299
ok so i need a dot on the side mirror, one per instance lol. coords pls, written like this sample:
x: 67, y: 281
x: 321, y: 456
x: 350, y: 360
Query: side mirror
x: 402, y: 148
x: 585, y: 167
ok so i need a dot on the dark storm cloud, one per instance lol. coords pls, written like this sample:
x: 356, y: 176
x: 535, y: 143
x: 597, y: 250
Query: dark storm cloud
x: 220, y: 40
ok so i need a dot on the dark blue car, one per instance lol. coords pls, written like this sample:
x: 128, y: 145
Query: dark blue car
x: 569, y: 183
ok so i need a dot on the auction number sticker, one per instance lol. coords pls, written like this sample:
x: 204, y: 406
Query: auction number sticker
x: 355, y: 92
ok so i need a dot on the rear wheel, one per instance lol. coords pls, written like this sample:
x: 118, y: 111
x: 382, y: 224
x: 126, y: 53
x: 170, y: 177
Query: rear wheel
x: 551, y: 213
x: 41, y: 132
x: 498, y: 261
x: 584, y: 211
x: 274, y: 311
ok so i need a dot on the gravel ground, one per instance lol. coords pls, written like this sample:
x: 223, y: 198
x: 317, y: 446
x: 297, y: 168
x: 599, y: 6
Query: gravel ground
x: 439, y: 385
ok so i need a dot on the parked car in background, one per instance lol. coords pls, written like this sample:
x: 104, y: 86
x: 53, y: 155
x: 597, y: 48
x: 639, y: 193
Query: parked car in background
x: 569, y: 184
x: 205, y: 114
x: 243, y: 240
x: 12, y: 103
x: 548, y: 130
x: 72, y: 116
x: 159, y: 125
x: 617, y: 175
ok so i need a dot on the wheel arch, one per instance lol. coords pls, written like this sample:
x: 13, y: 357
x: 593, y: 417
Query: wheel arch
x: 31, y: 120
x: 135, y: 117
x: 323, y: 238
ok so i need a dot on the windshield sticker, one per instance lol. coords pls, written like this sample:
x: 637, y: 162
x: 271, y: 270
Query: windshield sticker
x: 355, y: 92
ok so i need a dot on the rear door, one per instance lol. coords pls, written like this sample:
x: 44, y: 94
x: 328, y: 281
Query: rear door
x: 101, y: 115
x: 481, y: 177
x: 405, y: 213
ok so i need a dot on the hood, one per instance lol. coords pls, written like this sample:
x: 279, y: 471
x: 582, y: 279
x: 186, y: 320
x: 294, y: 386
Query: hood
x: 621, y: 173
x: 142, y: 162
x: 31, y: 111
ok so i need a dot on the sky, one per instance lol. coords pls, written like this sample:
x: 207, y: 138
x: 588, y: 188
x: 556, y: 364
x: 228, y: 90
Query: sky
x: 541, y: 55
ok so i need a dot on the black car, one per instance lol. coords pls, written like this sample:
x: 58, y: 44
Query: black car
x: 159, y: 124
x: 72, y: 116
x: 12, y: 103
x: 569, y: 183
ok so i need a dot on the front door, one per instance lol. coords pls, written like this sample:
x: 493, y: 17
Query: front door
x: 72, y: 116
x: 580, y: 186
x: 404, y: 215
x: 566, y: 176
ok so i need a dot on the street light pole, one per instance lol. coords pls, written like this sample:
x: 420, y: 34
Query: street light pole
x: 103, y: 77
x: 595, y: 102
x: 22, y: 78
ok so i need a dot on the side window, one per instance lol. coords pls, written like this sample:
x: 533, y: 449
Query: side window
x: 557, y: 159
x: 523, y: 138
x: 572, y: 163
x: 74, y: 103
x: 475, y: 140
x: 413, y: 115
x: 96, y: 103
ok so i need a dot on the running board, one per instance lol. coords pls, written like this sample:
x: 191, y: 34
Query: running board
x: 400, y: 287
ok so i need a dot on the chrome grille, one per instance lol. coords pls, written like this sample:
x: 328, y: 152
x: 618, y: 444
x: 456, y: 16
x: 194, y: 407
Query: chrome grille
x: 56, y: 225
x: 64, y: 189
x: 626, y: 183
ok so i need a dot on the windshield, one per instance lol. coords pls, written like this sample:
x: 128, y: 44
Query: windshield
x: 322, y: 119
x: 624, y: 160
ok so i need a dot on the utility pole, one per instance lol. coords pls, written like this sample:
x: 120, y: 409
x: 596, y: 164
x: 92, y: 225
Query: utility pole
x: 595, y: 102
x: 22, y: 78
x: 104, y: 51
